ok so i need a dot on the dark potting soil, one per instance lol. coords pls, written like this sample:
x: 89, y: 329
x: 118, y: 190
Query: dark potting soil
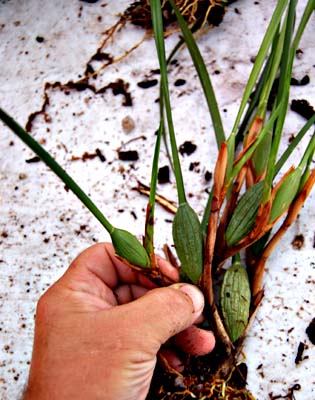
x: 197, y: 382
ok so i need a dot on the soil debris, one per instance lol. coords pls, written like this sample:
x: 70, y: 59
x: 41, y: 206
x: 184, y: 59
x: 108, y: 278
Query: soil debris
x: 90, y: 156
x: 300, y: 82
x: 299, y: 356
x: 128, y: 124
x: 130, y: 155
x: 33, y: 160
x: 187, y: 148
x: 119, y: 87
x: 298, y: 242
x: 164, y: 174
x: 180, y: 82
x: 147, y: 83
x: 208, y: 176
x: 303, y: 108
x: 194, y: 166
x: 310, y: 331
x: 197, y: 13
x: 289, y: 395
x: 198, y: 383
x: 39, y: 39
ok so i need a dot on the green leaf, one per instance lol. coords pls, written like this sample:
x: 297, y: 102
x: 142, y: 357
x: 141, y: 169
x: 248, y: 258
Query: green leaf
x: 293, y: 144
x: 55, y: 167
x: 157, y: 22
x: 188, y: 240
x: 261, y: 155
x: 260, y: 59
x: 203, y: 75
x: 244, y: 215
x: 285, y: 194
x: 149, y: 223
x: 256, y: 70
x: 128, y: 247
x: 235, y: 300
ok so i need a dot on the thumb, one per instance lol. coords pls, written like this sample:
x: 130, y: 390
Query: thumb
x: 163, y: 312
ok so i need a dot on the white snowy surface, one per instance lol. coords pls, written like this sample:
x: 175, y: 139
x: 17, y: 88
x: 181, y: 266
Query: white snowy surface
x: 43, y: 227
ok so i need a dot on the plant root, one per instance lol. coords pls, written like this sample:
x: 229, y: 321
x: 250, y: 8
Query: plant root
x: 199, y: 383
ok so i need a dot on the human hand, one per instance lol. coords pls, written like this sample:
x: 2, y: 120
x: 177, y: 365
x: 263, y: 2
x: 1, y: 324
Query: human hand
x: 99, y: 328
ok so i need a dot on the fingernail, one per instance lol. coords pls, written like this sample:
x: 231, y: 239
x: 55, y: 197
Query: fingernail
x: 195, y: 295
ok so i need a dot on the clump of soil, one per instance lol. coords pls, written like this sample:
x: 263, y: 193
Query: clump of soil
x: 196, y: 12
x: 199, y: 382
x: 310, y: 330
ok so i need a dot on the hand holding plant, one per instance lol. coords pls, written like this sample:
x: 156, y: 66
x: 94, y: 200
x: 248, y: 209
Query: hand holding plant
x: 100, y: 327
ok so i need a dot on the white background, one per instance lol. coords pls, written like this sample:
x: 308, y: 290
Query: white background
x: 43, y: 227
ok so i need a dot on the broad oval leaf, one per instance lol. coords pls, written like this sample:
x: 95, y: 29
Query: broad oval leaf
x: 188, y: 240
x: 244, y: 215
x: 261, y: 155
x: 128, y: 247
x: 285, y: 194
x: 235, y: 300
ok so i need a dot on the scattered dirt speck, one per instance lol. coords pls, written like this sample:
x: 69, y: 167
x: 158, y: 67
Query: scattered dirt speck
x: 303, y: 108
x: 131, y: 155
x: 164, y: 174
x: 187, y: 148
x: 310, y: 331
x: 208, y: 176
x: 194, y: 166
x: 147, y: 83
x: 300, y: 82
x: 128, y: 124
x: 32, y: 160
x: 179, y: 82
x: 298, y: 242
x: 39, y: 39
x: 299, y: 356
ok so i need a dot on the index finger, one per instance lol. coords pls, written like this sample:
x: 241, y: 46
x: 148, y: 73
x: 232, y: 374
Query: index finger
x: 101, y: 261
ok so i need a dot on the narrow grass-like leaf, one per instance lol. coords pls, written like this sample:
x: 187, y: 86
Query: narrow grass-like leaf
x: 149, y: 223
x: 282, y: 96
x: 157, y: 22
x: 206, y: 214
x: 244, y: 215
x: 293, y: 145
x: 261, y: 57
x: 188, y: 240
x: 259, y: 61
x: 235, y: 300
x: 203, y: 75
x: 55, y: 167
x: 253, y: 101
x: 306, y: 161
x: 187, y: 233
x: 125, y: 243
x: 308, y: 11
x: 274, y: 58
